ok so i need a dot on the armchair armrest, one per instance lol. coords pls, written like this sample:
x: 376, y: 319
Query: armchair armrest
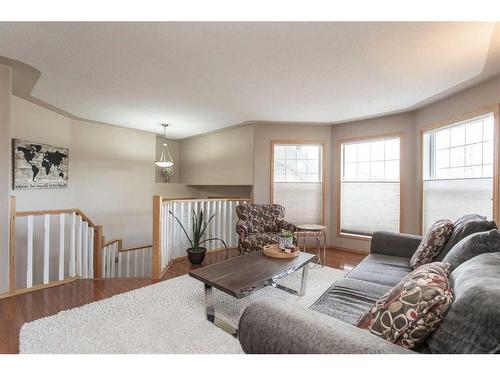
x: 283, y: 224
x: 395, y: 244
x: 241, y: 228
x: 276, y: 327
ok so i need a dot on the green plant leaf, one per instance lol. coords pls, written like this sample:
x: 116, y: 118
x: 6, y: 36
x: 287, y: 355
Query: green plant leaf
x: 206, y: 225
x: 215, y: 239
x: 182, y: 226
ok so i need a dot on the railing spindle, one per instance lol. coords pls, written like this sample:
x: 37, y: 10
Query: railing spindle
x: 72, y: 246
x: 128, y: 263
x: 79, y: 245
x: 120, y: 258
x: 113, y: 258
x: 91, y: 252
x: 61, y: 246
x: 85, y: 261
x: 29, y: 255
x: 46, y: 248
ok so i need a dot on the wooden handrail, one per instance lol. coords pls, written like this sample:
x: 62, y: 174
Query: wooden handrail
x: 46, y: 212
x: 57, y: 212
x: 110, y: 242
x: 136, y: 248
x: 205, y: 199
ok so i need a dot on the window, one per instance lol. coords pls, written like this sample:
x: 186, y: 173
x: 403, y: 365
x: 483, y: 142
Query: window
x: 297, y: 182
x: 458, y: 170
x: 369, y: 186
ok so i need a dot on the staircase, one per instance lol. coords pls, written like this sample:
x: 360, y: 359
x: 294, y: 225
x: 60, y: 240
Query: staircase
x: 53, y: 247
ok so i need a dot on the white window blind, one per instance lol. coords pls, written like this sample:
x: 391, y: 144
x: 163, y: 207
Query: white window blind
x: 298, y: 181
x: 458, y: 170
x: 370, y: 191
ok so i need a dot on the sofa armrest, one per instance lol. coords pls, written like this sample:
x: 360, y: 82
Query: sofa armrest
x: 395, y: 244
x: 277, y: 327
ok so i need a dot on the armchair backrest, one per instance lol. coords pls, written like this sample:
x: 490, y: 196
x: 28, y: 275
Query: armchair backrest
x: 261, y: 217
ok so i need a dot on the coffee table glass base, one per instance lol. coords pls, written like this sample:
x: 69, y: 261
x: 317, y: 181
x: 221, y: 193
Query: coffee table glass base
x: 210, y: 301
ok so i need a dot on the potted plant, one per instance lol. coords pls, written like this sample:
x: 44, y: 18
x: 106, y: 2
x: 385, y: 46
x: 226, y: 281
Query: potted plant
x: 286, y: 239
x: 196, y: 253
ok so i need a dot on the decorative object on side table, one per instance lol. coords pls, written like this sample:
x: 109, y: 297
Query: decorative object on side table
x: 286, y: 239
x: 196, y: 253
x: 316, y: 231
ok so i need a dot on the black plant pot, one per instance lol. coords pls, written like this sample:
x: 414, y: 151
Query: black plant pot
x: 196, y: 257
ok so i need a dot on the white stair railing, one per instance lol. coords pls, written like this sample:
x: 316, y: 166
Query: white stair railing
x: 119, y: 262
x: 50, y: 247
x: 169, y: 241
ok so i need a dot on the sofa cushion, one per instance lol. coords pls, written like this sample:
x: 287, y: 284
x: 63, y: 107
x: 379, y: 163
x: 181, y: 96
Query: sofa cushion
x: 463, y: 227
x: 473, y: 245
x: 413, y: 309
x: 348, y: 299
x: 381, y: 269
x: 432, y: 243
x: 472, y: 324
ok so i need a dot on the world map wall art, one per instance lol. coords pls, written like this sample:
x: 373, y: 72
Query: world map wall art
x: 39, y: 166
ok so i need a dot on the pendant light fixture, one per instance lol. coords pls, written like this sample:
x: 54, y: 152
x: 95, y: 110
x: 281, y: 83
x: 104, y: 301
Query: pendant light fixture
x: 165, y: 159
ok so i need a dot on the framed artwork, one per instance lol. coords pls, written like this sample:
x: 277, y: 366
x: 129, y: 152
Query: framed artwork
x: 39, y: 166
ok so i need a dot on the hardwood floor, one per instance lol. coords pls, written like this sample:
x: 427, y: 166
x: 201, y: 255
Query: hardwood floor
x: 17, y: 310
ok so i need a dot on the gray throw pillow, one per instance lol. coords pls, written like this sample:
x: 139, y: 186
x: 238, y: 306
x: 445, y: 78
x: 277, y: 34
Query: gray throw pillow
x: 463, y: 227
x: 472, y: 324
x: 473, y: 245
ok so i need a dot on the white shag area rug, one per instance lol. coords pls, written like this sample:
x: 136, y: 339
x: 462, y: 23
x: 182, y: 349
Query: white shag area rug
x: 167, y: 317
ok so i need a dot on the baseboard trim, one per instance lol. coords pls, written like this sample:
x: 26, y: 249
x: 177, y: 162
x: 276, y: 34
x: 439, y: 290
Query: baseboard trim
x: 38, y: 287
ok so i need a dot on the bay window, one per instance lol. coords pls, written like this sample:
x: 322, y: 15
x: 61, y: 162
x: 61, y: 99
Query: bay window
x: 458, y: 165
x: 297, y: 180
x: 369, y: 186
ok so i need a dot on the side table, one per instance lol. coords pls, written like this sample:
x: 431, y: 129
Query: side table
x: 316, y: 231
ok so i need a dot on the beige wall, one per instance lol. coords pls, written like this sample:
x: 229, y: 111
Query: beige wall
x: 111, y: 171
x: 267, y: 132
x: 5, y: 89
x: 222, y: 158
x: 401, y: 124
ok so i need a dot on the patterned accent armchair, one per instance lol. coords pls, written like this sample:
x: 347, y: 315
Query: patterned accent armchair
x: 259, y: 225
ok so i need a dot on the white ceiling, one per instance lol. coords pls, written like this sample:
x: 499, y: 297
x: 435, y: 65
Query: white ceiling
x: 200, y: 77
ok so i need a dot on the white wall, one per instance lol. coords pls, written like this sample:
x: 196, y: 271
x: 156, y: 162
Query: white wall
x: 5, y: 89
x: 111, y: 171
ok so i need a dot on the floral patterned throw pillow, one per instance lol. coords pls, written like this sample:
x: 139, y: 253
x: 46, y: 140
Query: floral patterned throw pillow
x: 413, y: 309
x: 432, y: 244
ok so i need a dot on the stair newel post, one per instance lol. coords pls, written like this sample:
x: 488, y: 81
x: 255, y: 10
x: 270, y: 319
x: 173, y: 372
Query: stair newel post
x: 98, y: 244
x: 156, y: 250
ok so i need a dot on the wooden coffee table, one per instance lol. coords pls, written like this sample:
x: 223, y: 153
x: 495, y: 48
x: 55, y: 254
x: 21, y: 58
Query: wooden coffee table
x: 245, y: 274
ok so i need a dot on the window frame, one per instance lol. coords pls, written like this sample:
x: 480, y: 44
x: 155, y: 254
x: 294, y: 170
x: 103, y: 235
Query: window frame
x: 323, y: 169
x: 338, y: 178
x: 447, y: 123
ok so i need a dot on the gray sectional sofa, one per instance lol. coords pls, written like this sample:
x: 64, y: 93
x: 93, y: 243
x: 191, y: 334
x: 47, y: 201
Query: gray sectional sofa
x: 472, y: 325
